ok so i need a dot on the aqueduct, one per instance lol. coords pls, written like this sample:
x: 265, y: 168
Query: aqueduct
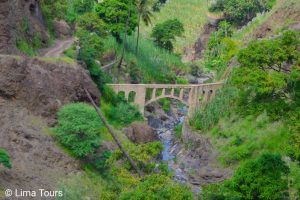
x: 191, y: 95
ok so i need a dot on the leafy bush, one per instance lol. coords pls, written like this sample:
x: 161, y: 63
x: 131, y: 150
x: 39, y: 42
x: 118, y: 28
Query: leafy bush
x: 158, y: 186
x: 115, y: 14
x: 78, y: 129
x: 143, y: 154
x: 91, y: 49
x: 124, y: 114
x: 164, y: 34
x: 92, y: 23
x: 25, y: 47
x: 293, y: 121
x: 81, y: 7
x: 4, y: 158
x: 269, y: 73
x: 165, y: 103
x: 241, y: 11
x: 263, y: 178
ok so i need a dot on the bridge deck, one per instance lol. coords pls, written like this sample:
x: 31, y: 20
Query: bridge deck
x: 168, y: 85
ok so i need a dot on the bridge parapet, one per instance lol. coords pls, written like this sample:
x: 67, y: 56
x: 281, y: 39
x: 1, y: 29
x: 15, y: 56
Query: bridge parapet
x: 191, y: 95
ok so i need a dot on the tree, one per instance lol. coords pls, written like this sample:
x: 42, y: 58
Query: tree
x: 158, y: 186
x: 113, y: 134
x: 78, y: 129
x: 241, y: 11
x: 115, y: 13
x: 164, y: 34
x: 144, y: 13
x: 92, y: 23
x: 83, y: 6
x: 269, y: 69
x: 263, y: 178
x: 4, y: 158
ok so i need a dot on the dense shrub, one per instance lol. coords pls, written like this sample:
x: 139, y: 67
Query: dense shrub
x: 4, y: 158
x: 68, y: 10
x: 220, y: 49
x: 115, y: 14
x: 241, y: 11
x: 91, y: 49
x: 92, y: 23
x: 124, y: 114
x: 158, y: 186
x: 164, y: 34
x: 269, y: 74
x: 263, y: 178
x: 143, y: 154
x: 78, y: 129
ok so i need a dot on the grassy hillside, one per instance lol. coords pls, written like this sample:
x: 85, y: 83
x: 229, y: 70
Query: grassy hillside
x: 247, y: 119
x: 192, y: 13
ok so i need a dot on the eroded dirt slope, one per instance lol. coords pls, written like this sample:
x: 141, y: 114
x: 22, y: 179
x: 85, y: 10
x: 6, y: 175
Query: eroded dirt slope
x: 31, y: 92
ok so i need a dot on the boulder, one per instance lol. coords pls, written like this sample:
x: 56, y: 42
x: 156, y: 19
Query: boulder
x: 62, y: 28
x: 140, y: 133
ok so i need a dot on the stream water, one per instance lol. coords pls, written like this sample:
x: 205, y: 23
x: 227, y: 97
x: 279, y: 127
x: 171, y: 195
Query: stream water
x: 166, y: 132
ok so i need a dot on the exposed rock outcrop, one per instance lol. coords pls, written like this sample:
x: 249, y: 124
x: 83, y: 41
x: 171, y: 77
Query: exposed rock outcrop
x: 62, y: 29
x: 42, y: 87
x: 140, y: 133
x: 20, y: 19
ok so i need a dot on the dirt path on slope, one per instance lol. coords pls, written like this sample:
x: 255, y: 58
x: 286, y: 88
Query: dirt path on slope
x: 58, y: 48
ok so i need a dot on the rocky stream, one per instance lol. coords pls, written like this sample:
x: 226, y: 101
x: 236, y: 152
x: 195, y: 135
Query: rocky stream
x: 190, y: 157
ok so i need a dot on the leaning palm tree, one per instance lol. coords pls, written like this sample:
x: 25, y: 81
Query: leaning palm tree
x: 144, y: 9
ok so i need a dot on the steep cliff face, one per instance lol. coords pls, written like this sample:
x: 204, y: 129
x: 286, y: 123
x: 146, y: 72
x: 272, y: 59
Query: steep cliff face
x: 20, y: 18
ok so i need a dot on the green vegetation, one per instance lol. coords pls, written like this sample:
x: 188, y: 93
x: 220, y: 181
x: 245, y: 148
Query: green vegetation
x: 178, y: 131
x: 144, y: 155
x: 164, y: 34
x: 78, y: 129
x: 221, y: 105
x: 25, y: 44
x: 253, y: 121
x: 68, y: 10
x: 241, y: 11
x: 191, y: 13
x: 257, y: 111
x: 124, y: 114
x: 4, y: 158
x: 145, y: 14
x: 262, y: 178
x: 115, y: 14
x: 155, y: 65
x: 158, y: 187
x: 221, y: 48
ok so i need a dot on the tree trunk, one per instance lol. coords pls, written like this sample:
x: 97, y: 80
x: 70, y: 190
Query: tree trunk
x: 125, y: 39
x: 138, y: 35
x: 111, y: 131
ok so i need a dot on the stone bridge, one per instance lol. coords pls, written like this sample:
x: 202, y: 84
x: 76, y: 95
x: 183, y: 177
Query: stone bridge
x: 144, y: 94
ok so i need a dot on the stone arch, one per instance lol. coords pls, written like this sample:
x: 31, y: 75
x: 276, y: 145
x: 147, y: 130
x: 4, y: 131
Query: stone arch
x: 121, y: 94
x: 166, y: 96
x: 131, y: 96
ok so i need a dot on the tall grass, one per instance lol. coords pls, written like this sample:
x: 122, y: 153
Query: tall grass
x: 156, y: 64
x: 238, y: 139
x: 192, y: 13
x: 221, y: 105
